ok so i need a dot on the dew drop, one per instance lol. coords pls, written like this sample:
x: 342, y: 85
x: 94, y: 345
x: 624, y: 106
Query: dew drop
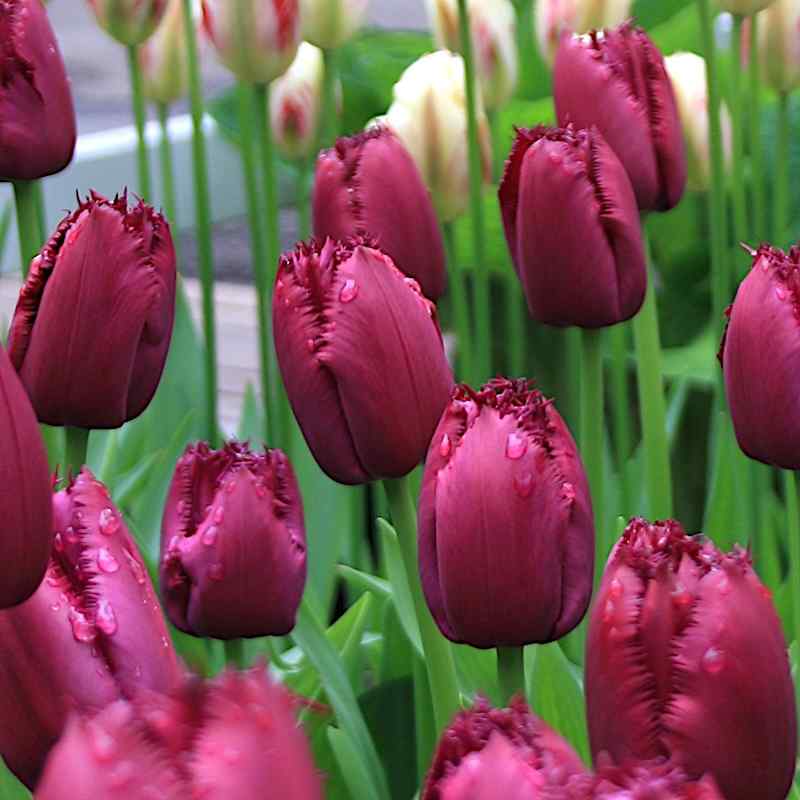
x: 609, y: 611
x: 349, y: 291
x: 55, y: 606
x: 216, y: 572
x: 568, y: 490
x: 136, y: 568
x: 219, y: 515
x: 713, y: 661
x: 181, y: 507
x: 310, y: 346
x: 261, y: 490
x: 516, y: 446
x: 616, y: 589
x: 108, y: 521
x: 523, y: 484
x: 70, y: 535
x: 106, y: 561
x: 445, y: 446
x: 210, y: 535
x: 82, y: 629
x: 164, y: 642
x: 58, y: 543
x: 102, y: 743
x: 681, y: 598
x: 229, y: 489
x: 780, y: 293
x: 106, y: 618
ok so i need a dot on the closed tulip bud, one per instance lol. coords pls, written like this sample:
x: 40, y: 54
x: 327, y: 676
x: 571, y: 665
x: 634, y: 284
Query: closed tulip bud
x: 743, y: 8
x: 348, y: 325
x: 779, y: 45
x: 92, y: 631
x: 687, y: 71
x: 330, y: 23
x: 651, y: 780
x: 560, y: 181
x: 93, y: 323
x: 130, y: 22
x: 617, y: 81
x: 256, y: 40
x: 369, y: 185
x: 507, y: 448
x: 429, y: 115
x: 295, y: 102
x: 163, y: 59
x: 25, y: 506
x: 233, y: 543
x: 489, y: 753
x: 685, y: 657
x: 37, y: 118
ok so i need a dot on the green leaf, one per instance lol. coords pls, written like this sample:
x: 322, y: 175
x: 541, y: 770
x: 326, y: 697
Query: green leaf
x: 352, y: 768
x: 10, y: 787
x: 364, y: 582
x: 250, y: 426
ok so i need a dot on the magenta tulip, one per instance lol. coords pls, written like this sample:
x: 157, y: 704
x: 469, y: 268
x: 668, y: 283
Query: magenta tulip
x: 573, y: 228
x: 616, y: 80
x: 761, y: 359
x: 685, y: 657
x: 506, y: 537
x: 362, y: 359
x: 651, y: 780
x: 25, y: 507
x: 92, y: 632
x: 369, y: 185
x: 233, y: 543
x: 93, y: 322
x: 37, y: 118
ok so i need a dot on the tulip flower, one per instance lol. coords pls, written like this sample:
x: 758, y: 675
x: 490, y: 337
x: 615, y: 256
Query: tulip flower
x: 687, y: 71
x: 369, y: 185
x: 163, y: 59
x: 93, y: 323
x: 362, y: 359
x: 654, y: 780
x: 25, y: 506
x: 493, y: 24
x: 779, y: 44
x: 130, y: 22
x: 761, y: 391
x: 489, y: 753
x: 233, y: 543
x: 573, y: 228
x: 92, y: 632
x: 295, y: 102
x: 37, y: 118
x: 743, y: 8
x: 328, y: 24
x: 616, y: 80
x: 429, y: 115
x: 234, y: 737
x: 685, y: 657
x: 256, y: 40
x: 503, y: 467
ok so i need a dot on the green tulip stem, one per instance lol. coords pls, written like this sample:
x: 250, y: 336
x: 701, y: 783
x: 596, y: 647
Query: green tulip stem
x: 460, y: 304
x: 255, y: 218
x: 328, y: 126
x: 140, y: 118
x: 517, y: 309
x: 658, y: 476
x: 483, y: 335
x: 793, y: 540
x: 28, y: 230
x: 76, y: 442
x: 167, y: 169
x: 302, y: 200
x: 511, y: 672
x: 617, y: 340
x: 780, y: 214
x: 205, y: 245
x: 738, y: 188
x: 438, y: 654
x: 234, y: 653
x: 758, y: 202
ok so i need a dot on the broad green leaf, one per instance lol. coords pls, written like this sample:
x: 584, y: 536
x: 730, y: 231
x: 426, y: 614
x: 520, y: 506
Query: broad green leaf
x: 10, y: 787
x: 397, y: 658
x: 364, y: 582
x: 352, y: 768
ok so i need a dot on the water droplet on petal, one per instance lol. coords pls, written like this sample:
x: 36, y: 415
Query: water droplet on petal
x: 70, y: 535
x: 164, y: 642
x: 55, y: 606
x: 523, y: 484
x: 136, y: 567
x: 516, y: 446
x: 568, y: 491
x: 82, y: 629
x: 219, y: 515
x: 349, y: 291
x: 108, y: 522
x: 617, y: 589
x: 102, y: 743
x: 106, y: 618
x: 261, y: 490
x: 210, y: 535
x: 310, y: 346
x: 231, y: 486
x: 780, y: 293
x: 445, y: 446
x: 106, y: 561
x: 216, y: 572
x: 713, y: 661
x: 609, y: 611
x: 58, y: 543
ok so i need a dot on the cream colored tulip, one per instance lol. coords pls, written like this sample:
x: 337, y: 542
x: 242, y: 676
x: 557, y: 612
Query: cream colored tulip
x: 743, y: 7
x: 330, y: 23
x: 779, y: 45
x: 130, y: 22
x: 163, y: 59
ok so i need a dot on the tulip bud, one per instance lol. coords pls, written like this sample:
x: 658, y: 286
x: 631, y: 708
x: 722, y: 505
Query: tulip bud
x: 489, y: 753
x: 256, y: 40
x: 429, y: 114
x: 743, y: 8
x: 369, y: 185
x: 687, y: 71
x: 557, y: 180
x: 91, y: 632
x: 25, y: 506
x: 653, y: 780
x: 494, y: 42
x: 762, y: 391
x: 93, y: 323
x: 130, y: 22
x: 616, y: 80
x: 233, y: 543
x: 295, y: 103
x: 507, y: 448
x: 685, y: 657
x: 779, y: 45
x: 37, y: 118
x: 163, y: 59
x: 328, y: 24
x: 349, y: 325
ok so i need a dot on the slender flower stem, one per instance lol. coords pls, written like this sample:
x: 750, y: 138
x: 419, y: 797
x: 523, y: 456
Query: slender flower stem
x: 30, y: 239
x: 483, y: 334
x: 302, y: 200
x: 41, y: 217
x: 738, y: 192
x: 793, y: 539
x: 571, y: 388
x: 76, y: 442
x: 758, y: 202
x: 458, y: 293
x: 511, y: 671
x: 140, y: 117
x: 516, y: 325
x: 328, y: 126
x: 780, y: 213
x: 658, y: 476
x: 167, y: 167
x: 617, y: 339
x: 205, y: 246
x: 234, y: 653
x: 438, y: 655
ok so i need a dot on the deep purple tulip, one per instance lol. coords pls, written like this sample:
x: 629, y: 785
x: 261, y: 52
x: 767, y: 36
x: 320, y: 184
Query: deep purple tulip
x: 92, y: 632
x: 506, y: 537
x: 93, y: 322
x: 651, y: 780
x: 369, y: 185
x: 37, y: 118
x: 616, y: 80
x: 500, y: 754
x: 573, y: 228
x: 685, y: 656
x: 233, y: 543
x: 761, y: 359
x: 25, y: 505
x: 362, y: 359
